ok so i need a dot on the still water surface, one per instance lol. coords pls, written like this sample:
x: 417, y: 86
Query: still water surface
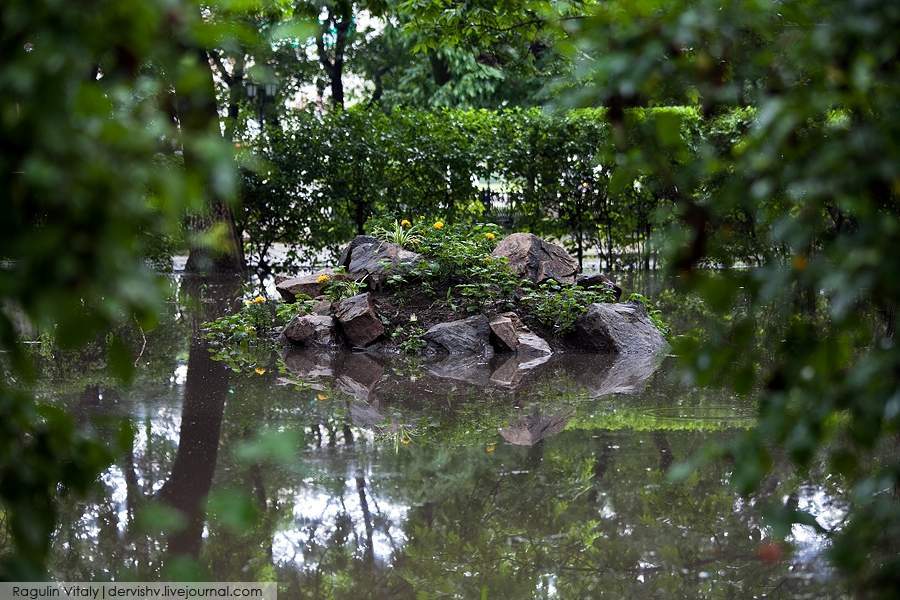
x: 346, y: 475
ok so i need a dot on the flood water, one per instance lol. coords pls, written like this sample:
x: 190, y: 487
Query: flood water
x: 351, y: 476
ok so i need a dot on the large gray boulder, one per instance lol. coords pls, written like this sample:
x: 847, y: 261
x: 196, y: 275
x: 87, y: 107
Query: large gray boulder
x: 311, y: 330
x: 622, y: 328
x: 514, y: 336
x: 531, y: 257
x: 359, y: 322
x: 367, y: 257
x: 465, y: 336
x: 309, y: 285
x: 344, y: 260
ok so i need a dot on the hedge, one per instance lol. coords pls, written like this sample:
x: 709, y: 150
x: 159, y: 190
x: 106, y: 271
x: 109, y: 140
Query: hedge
x: 318, y: 179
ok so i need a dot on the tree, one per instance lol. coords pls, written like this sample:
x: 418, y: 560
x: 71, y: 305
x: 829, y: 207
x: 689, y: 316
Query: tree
x: 89, y: 181
x: 817, y: 174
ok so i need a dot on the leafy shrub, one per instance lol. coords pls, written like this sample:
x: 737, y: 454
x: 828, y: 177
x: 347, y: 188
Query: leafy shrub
x: 403, y: 233
x: 409, y: 338
x: 244, y: 340
x: 341, y: 289
x: 559, y: 306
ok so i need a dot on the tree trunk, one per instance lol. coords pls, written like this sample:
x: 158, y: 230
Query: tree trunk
x: 198, y: 116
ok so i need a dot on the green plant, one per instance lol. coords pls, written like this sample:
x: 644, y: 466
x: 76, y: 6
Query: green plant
x: 653, y: 312
x: 243, y: 340
x: 409, y: 338
x: 402, y: 233
x: 559, y: 306
x: 341, y: 289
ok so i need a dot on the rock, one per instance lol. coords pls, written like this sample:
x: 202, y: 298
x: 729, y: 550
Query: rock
x: 599, y: 280
x: 374, y: 259
x: 465, y: 336
x: 531, y: 429
x: 359, y: 322
x: 530, y: 256
x: 514, y: 336
x: 344, y: 260
x: 311, y: 330
x: 306, y: 284
x: 321, y: 307
x: 622, y: 328
x: 504, y: 329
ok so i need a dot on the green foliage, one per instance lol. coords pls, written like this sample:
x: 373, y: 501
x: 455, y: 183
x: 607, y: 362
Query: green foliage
x: 553, y: 174
x: 341, y: 289
x: 409, y: 338
x: 457, y: 263
x: 402, y: 233
x: 653, y: 312
x: 245, y: 340
x: 559, y: 306
x: 811, y: 182
x: 91, y: 186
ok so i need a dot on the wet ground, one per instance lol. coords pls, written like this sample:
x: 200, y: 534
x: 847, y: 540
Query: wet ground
x: 355, y: 476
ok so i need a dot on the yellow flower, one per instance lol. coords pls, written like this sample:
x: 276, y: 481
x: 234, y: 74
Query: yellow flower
x: 321, y: 397
x: 489, y: 236
x: 260, y: 371
x: 323, y: 278
x: 405, y: 224
x: 439, y: 225
x: 258, y: 300
x: 489, y: 449
x: 405, y: 441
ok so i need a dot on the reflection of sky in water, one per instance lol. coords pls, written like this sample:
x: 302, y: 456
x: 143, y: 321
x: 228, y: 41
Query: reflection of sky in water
x: 318, y: 515
x: 163, y: 416
x: 809, y: 545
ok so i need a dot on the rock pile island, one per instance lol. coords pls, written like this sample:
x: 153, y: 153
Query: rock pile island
x: 465, y: 294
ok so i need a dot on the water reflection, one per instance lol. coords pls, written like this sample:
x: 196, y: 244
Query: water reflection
x: 462, y: 479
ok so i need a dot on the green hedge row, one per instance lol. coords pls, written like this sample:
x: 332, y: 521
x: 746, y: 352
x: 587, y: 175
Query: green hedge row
x: 318, y: 179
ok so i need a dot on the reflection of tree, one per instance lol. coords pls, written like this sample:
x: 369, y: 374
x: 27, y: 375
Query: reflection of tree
x: 201, y: 417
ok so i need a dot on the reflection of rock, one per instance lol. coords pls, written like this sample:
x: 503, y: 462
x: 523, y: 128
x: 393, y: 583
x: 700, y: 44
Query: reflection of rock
x: 513, y: 369
x: 311, y: 330
x: 466, y: 336
x: 307, y: 363
x: 469, y: 369
x: 358, y: 374
x: 599, y: 280
x: 360, y: 324
x: 513, y: 335
x: 372, y: 259
x: 605, y: 374
x: 305, y: 284
x: 531, y: 257
x: 363, y: 415
x: 531, y: 429
x: 617, y: 329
